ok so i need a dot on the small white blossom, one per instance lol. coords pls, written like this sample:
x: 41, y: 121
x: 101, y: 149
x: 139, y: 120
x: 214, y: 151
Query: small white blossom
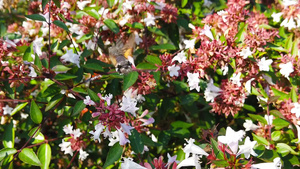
x: 76, y: 133
x: 189, y: 44
x: 150, y: 20
x: 180, y: 57
x: 193, y: 80
x: 88, y: 101
x: 125, y: 19
x: 276, y: 16
x: 276, y: 164
x: 7, y: 110
x: 288, y: 23
x: 172, y: 159
x: 113, y: 138
x: 82, y: 155
x: 137, y: 38
x: 247, y: 148
x: 296, y: 109
x: 174, y: 70
x: 126, y: 128
x: 269, y: 119
x: 249, y: 125
x: 223, y: 14
x: 286, y: 69
x: 224, y: 70
x: 264, y: 65
x: 71, y: 57
x: 298, y: 133
x: 130, y: 164
x: 37, y: 45
x: 192, y: 148
x: 211, y: 91
x: 129, y: 105
x: 68, y: 129
x: 245, y: 53
x: 287, y: 3
x: 127, y: 5
x: 66, y: 147
x: 232, y: 138
x: 159, y: 5
x: 98, y: 130
x: 207, y: 32
x: 236, y: 79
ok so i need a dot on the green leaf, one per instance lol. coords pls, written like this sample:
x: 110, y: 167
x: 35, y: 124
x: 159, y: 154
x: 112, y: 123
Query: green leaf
x: 2, y: 29
x: 260, y: 140
x: 9, y: 136
x: 35, y: 131
x: 93, y: 95
x: 130, y: 79
x: 44, y: 3
x: 27, y: 55
x: 79, y: 106
x: 5, y: 152
x: 65, y: 76
x: 44, y: 155
x: 57, y: 3
x: 276, y: 135
x: 36, y: 17
x: 144, y: 65
x: 114, y: 155
x: 93, y: 13
x: 93, y: 66
x: 63, y: 44
x: 181, y: 124
x: 240, y: 35
x: 112, y: 25
x: 53, y: 103
x: 18, y: 108
x: 35, y: 113
x: 98, y: 62
x: 283, y: 96
x: 153, y: 59
x: 280, y: 123
x: 277, y: 48
x: 289, y: 42
x: 183, y: 3
x: 61, y: 25
x: 28, y: 156
x: 258, y: 118
x: 166, y: 46
x: 60, y: 68
x: 137, y: 25
x: 53, y: 45
x: 156, y: 31
x: 136, y: 142
x: 285, y: 149
x: 189, y: 98
x: 218, y: 153
x: 293, y: 95
x: 249, y: 108
x: 294, y: 51
x: 110, y: 2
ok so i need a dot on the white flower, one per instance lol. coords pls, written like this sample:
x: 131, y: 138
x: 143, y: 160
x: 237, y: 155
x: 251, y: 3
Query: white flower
x: 71, y: 57
x: 192, y: 148
x: 269, y: 119
x: 66, y: 147
x: 107, y: 133
x: 207, y: 3
x: 236, y: 79
x: 88, y: 101
x: 206, y: 31
x: 276, y: 16
x: 103, y: 12
x: 137, y: 38
x: 211, y: 91
x: 7, y: 110
x: 296, y: 109
x: 125, y: 19
x: 245, y: 53
x: 123, y: 140
x: 288, y: 23
x: 248, y: 85
x: 275, y: 165
x: 224, y: 69
x: 32, y: 72
x: 174, y: 70
x: 190, y: 161
x: 286, y: 69
x: 129, y: 105
x: 298, y: 133
x: 82, y: 155
x: 232, y: 138
x: 91, y: 45
x: 113, y: 138
x: 24, y: 116
x: 46, y: 16
x: 127, y: 5
x: 171, y: 159
x: 107, y: 98
x: 247, y: 148
x: 189, y: 44
x: 180, y: 57
x: 76, y: 133
x: 150, y: 20
x: 249, y: 125
x: 130, y: 164
x: 68, y: 129
x: 264, y: 64
x: 193, y: 79
x: 287, y: 3
x: 37, y: 45
x: 159, y: 5
x: 223, y: 14
x: 98, y: 130
x: 146, y: 122
x: 126, y: 128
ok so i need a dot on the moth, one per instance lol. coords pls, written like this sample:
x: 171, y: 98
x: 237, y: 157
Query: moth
x: 121, y: 54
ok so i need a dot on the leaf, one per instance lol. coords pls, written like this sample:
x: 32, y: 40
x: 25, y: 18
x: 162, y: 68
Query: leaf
x: 35, y: 113
x: 136, y: 142
x: 93, y: 66
x: 181, y: 124
x: 249, y: 108
x: 183, y: 3
x: 93, y: 95
x: 44, y: 3
x: 130, y: 79
x: 260, y: 139
x: 65, y: 76
x: 289, y: 42
x: 189, y: 98
x: 27, y: 55
x: 114, y: 155
x: 280, y: 123
x: 2, y: 29
x: 79, y: 106
x: 258, y: 118
x: 285, y: 149
x: 44, y: 155
x: 137, y: 25
x: 144, y: 65
x: 63, y: 44
x: 240, y: 35
x: 110, y: 2
x: 53, y: 103
x: 112, y: 25
x: 294, y: 51
x: 57, y: 3
x: 36, y: 17
x: 9, y: 136
x: 283, y: 96
x: 276, y: 135
x: 156, y: 31
x: 5, y: 152
x: 53, y: 45
x: 154, y: 60
x: 166, y: 46
x: 61, y: 25
x: 218, y: 153
x: 18, y: 108
x: 293, y: 95
x: 60, y: 68
x: 93, y: 13
x: 28, y: 156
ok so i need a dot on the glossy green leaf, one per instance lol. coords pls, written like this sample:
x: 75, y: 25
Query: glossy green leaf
x: 144, y: 65
x: 5, y: 152
x: 79, y: 106
x: 53, y: 45
x: 60, y: 68
x: 181, y: 124
x: 63, y: 44
x: 27, y: 55
x: 35, y: 113
x: 93, y: 66
x: 34, y: 131
x: 183, y: 3
x: 283, y: 96
x: 44, y: 155
x: 295, y: 49
x: 112, y: 25
x: 260, y: 140
x: 2, y: 29
x: 156, y: 31
x: 276, y: 135
x: 130, y: 79
x: 240, y: 35
x: 93, y: 13
x: 61, y: 25
x: 280, y: 123
x: 44, y: 3
x: 163, y: 46
x: 218, y: 153
x: 285, y: 149
x: 137, y: 25
x: 114, y: 155
x: 28, y: 156
x: 9, y: 135
x: 189, y: 98
x: 249, y: 108
x: 110, y: 2
x: 53, y: 103
x: 93, y: 96
x: 65, y: 76
x: 258, y: 118
x: 18, y: 108
x: 153, y: 59
x: 36, y: 17
x: 136, y: 142
x: 293, y: 95
x: 289, y: 42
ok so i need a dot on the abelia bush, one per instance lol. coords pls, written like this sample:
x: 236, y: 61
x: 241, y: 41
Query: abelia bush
x: 142, y: 84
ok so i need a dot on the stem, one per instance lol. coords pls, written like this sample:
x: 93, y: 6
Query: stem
x: 269, y: 125
x: 72, y: 159
x: 49, y: 47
